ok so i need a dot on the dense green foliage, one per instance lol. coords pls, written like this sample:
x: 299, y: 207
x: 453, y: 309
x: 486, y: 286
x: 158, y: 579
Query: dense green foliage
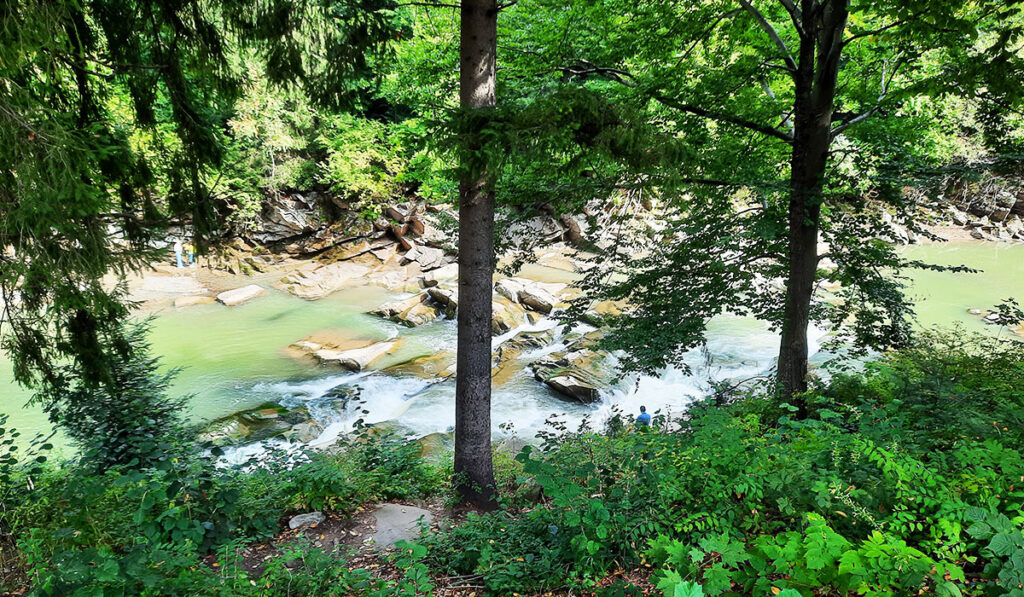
x: 130, y: 422
x: 114, y: 122
x: 149, y: 530
x: 905, y: 476
x: 121, y: 120
x: 889, y: 486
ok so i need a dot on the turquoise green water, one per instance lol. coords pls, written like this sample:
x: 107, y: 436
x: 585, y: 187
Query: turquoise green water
x: 233, y: 357
x: 226, y: 354
x: 942, y: 298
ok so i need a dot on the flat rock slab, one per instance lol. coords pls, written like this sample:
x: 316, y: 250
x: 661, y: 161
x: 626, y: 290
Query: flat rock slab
x: 324, y: 280
x: 356, y: 359
x: 188, y: 301
x: 396, y: 522
x: 172, y: 285
x: 240, y: 295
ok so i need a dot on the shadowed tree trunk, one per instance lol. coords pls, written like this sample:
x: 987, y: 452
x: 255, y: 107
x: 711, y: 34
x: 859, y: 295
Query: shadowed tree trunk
x: 815, y: 80
x: 473, y: 467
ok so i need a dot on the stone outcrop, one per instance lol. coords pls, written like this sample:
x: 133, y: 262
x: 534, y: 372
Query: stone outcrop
x: 579, y: 372
x: 323, y: 280
x: 412, y: 311
x: 541, y: 297
x: 240, y: 295
x: 428, y: 258
x: 255, y: 424
x: 992, y: 209
x: 286, y: 217
x: 357, y: 358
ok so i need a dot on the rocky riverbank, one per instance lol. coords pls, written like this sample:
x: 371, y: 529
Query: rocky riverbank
x: 407, y: 257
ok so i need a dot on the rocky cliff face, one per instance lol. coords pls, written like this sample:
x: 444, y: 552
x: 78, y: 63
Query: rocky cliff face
x: 991, y: 209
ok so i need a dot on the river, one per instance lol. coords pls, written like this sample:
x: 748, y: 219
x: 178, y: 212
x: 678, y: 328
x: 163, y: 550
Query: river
x: 233, y: 358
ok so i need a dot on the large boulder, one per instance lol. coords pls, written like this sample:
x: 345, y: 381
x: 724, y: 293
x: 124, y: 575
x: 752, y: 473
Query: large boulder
x: 427, y: 257
x: 541, y: 297
x: 322, y: 281
x: 575, y: 386
x: 240, y: 295
x: 285, y: 217
x: 446, y: 298
x: 579, y: 372
x: 441, y: 274
x: 357, y: 359
x: 310, y: 519
x: 412, y: 311
x: 505, y: 315
x: 436, y: 445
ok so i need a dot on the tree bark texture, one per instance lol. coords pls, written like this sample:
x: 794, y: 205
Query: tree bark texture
x: 815, y: 83
x: 473, y: 466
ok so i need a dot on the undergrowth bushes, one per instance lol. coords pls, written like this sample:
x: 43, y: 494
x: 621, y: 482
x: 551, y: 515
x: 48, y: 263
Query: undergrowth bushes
x: 149, y: 531
x: 907, y: 477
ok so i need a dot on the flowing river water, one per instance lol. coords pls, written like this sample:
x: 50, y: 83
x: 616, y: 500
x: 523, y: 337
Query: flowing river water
x: 234, y: 358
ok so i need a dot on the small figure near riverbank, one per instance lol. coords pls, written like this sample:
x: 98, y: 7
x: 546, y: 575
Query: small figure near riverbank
x: 644, y: 418
x: 178, y: 249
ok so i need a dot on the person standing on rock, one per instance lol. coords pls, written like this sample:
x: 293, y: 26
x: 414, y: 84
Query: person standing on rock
x: 644, y: 418
x: 177, y: 253
x: 190, y: 252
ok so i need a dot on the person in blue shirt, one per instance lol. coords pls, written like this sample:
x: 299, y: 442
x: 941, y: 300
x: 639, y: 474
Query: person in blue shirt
x: 644, y: 418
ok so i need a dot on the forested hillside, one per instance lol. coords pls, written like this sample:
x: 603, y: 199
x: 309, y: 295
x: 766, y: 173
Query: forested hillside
x: 496, y: 210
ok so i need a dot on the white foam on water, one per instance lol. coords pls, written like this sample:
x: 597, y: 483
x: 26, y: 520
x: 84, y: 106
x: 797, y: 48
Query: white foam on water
x: 737, y: 349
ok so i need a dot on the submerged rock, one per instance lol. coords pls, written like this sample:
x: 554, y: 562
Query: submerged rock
x: 263, y: 422
x: 188, y: 301
x: 440, y: 365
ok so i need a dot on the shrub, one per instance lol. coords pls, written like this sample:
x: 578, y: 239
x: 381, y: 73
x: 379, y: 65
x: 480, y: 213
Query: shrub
x: 128, y: 420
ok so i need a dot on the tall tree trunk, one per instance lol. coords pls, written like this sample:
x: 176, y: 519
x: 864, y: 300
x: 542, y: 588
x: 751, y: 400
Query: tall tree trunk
x: 815, y: 80
x: 473, y: 467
